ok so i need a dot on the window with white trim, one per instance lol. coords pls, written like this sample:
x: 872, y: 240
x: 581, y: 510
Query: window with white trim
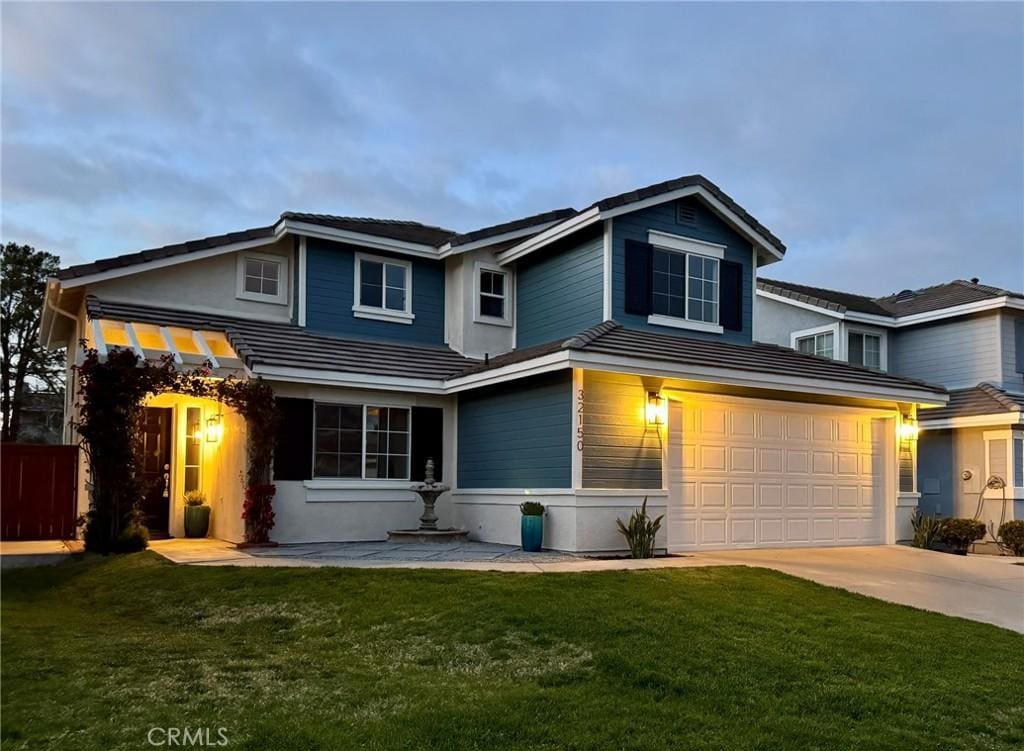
x: 493, y: 287
x: 262, y: 277
x: 821, y: 344
x: 361, y: 441
x: 864, y: 349
x: 1018, y: 461
x: 383, y: 289
x: 685, y: 285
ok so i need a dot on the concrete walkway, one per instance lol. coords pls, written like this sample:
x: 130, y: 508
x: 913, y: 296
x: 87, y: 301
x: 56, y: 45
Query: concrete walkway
x: 984, y: 588
x: 22, y: 554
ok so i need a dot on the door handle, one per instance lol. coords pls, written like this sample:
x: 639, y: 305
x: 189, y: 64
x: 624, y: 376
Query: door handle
x: 167, y: 481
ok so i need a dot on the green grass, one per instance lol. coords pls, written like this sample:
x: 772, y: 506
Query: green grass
x: 95, y: 653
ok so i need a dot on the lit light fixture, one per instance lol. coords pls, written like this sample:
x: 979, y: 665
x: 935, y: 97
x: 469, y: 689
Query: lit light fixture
x: 214, y: 428
x: 656, y: 408
x: 909, y: 430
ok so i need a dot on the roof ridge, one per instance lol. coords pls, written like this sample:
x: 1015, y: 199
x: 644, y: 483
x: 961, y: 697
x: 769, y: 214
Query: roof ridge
x: 999, y: 395
x: 591, y: 335
x: 815, y: 286
x: 367, y: 219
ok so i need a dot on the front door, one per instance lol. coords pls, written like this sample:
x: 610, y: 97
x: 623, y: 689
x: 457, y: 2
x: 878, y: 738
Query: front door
x: 156, y: 470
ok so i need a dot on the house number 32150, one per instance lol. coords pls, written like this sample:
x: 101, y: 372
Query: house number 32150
x: 579, y: 420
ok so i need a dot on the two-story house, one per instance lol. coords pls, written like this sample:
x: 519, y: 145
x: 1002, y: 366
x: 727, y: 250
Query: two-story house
x: 964, y: 335
x: 585, y: 359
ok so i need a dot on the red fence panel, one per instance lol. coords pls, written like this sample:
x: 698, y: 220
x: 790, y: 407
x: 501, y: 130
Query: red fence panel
x: 38, y: 485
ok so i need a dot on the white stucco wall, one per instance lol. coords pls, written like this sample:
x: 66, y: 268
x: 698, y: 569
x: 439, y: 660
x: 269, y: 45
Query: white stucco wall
x: 471, y: 337
x: 208, y: 284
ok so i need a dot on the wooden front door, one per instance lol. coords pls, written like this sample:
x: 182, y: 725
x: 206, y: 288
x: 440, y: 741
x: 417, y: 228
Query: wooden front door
x: 156, y: 470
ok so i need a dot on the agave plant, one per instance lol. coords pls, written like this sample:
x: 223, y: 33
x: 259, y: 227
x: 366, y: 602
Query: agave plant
x: 640, y: 531
x: 928, y: 530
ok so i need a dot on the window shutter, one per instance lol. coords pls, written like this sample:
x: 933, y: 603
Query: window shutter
x: 731, y: 300
x: 427, y: 442
x: 638, y: 278
x: 293, y: 443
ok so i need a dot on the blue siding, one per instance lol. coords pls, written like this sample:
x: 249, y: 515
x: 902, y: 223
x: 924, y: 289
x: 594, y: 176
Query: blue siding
x: 559, y: 294
x: 518, y: 434
x: 330, y: 278
x: 709, y: 228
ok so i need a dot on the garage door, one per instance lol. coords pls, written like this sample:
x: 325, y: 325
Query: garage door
x: 747, y: 473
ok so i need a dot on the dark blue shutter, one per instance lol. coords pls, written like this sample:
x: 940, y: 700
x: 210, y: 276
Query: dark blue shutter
x: 731, y: 296
x: 638, y: 277
x: 293, y: 442
x: 427, y: 441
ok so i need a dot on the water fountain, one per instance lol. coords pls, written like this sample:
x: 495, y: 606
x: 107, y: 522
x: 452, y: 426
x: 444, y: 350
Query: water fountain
x: 428, y: 531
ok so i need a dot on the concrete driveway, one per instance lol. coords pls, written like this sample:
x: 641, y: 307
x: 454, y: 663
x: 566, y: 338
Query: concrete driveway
x: 979, y: 587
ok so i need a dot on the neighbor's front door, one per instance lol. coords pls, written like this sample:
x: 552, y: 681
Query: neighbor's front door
x: 156, y: 469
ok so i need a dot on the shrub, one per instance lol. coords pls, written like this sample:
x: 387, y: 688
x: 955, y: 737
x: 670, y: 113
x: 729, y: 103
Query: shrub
x: 532, y: 508
x: 195, y: 498
x: 640, y: 532
x: 134, y: 537
x: 258, y: 513
x: 958, y: 534
x: 1011, y: 535
x: 927, y: 529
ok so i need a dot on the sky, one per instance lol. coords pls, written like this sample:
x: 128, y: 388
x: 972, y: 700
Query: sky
x: 883, y: 143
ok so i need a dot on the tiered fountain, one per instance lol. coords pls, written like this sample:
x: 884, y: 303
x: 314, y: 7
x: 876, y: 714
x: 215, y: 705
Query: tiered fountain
x: 428, y: 530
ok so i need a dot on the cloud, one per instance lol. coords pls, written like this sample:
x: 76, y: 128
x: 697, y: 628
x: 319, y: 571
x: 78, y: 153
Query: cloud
x: 867, y: 136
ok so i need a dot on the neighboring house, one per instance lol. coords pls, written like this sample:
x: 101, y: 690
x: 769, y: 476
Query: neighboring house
x: 966, y: 336
x: 42, y: 417
x: 583, y: 359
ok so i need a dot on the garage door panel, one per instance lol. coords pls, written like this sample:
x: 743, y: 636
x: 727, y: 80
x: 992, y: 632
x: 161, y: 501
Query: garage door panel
x: 775, y: 474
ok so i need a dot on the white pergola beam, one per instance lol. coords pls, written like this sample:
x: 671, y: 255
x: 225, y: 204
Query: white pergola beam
x: 133, y: 338
x: 97, y: 338
x: 171, y: 346
x: 204, y: 347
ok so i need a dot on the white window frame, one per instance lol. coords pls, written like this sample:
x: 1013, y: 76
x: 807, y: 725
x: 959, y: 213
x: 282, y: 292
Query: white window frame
x: 686, y: 247
x: 362, y: 461
x: 832, y: 328
x: 281, y: 298
x: 382, y: 314
x: 1013, y: 491
x: 478, y: 317
x: 883, y: 344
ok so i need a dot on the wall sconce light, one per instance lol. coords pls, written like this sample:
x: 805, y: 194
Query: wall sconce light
x: 214, y: 428
x: 909, y: 430
x: 657, y: 408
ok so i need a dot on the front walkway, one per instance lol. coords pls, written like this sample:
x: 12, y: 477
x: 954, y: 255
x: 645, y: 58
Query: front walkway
x: 983, y: 588
x: 26, y: 553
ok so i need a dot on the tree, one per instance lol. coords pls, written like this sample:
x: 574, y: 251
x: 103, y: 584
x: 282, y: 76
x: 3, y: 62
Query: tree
x: 25, y: 361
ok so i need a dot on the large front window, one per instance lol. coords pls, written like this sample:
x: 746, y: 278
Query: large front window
x: 685, y: 286
x: 361, y: 441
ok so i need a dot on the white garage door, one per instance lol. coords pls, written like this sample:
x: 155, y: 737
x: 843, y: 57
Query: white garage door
x: 747, y: 473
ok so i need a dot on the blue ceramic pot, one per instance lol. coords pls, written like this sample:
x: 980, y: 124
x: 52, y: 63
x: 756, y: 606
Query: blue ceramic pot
x: 532, y: 533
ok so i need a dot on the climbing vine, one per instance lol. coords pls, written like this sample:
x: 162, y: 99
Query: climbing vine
x: 111, y: 395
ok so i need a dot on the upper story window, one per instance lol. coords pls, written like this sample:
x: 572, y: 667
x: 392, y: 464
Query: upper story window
x: 383, y: 289
x: 821, y: 344
x: 864, y: 349
x: 685, y: 286
x: 262, y: 277
x: 493, y: 290
x: 361, y: 442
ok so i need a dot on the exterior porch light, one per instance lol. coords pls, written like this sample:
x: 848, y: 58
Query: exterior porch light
x: 657, y: 408
x: 909, y: 430
x: 214, y: 428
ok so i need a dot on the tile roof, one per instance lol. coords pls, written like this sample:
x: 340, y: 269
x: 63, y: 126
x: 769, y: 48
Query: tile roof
x: 395, y: 229
x: 652, y: 191
x: 288, y: 345
x: 612, y: 338
x: 907, y: 302
x: 983, y: 399
x: 499, y: 229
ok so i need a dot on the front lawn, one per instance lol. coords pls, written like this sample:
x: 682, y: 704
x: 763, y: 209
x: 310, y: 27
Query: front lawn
x: 97, y: 653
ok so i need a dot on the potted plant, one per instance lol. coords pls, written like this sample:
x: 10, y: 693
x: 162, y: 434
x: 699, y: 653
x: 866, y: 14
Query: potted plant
x: 197, y: 514
x: 532, y: 527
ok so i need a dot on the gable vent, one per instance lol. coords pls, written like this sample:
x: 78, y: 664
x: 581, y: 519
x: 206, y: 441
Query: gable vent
x: 686, y: 215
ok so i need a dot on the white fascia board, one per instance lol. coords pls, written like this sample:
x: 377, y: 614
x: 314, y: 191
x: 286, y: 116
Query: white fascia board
x: 448, y: 250
x: 800, y: 304
x: 937, y: 315
x: 159, y: 263
x: 970, y: 421
x: 550, y: 235
x: 349, y: 380
x: 774, y: 381
x: 543, y: 364
x: 357, y: 238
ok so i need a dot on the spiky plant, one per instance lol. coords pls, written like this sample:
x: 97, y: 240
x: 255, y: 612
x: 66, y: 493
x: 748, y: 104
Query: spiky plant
x: 640, y: 532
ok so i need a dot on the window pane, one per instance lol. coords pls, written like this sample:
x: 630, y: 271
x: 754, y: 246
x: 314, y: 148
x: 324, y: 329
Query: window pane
x: 661, y: 261
x: 191, y: 478
x: 270, y: 287
x: 253, y: 268
x: 498, y: 284
x: 326, y: 465
x: 396, y: 276
x: 371, y: 295
x: 709, y: 312
x: 374, y: 442
x: 394, y: 299
x: 677, y: 264
x: 350, y: 465
x: 374, y: 465
x: 253, y: 284
x: 350, y: 416
x: 371, y: 272
x: 677, y: 307
x: 398, y: 443
x: 373, y: 418
x: 492, y: 306
x: 327, y: 416
x: 398, y: 467
x: 398, y: 419
x: 855, y: 345
x: 351, y: 441
x: 327, y: 440
x: 806, y: 345
x: 824, y: 345
x: 1018, y: 462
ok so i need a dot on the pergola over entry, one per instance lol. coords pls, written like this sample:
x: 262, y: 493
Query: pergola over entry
x: 187, y: 347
